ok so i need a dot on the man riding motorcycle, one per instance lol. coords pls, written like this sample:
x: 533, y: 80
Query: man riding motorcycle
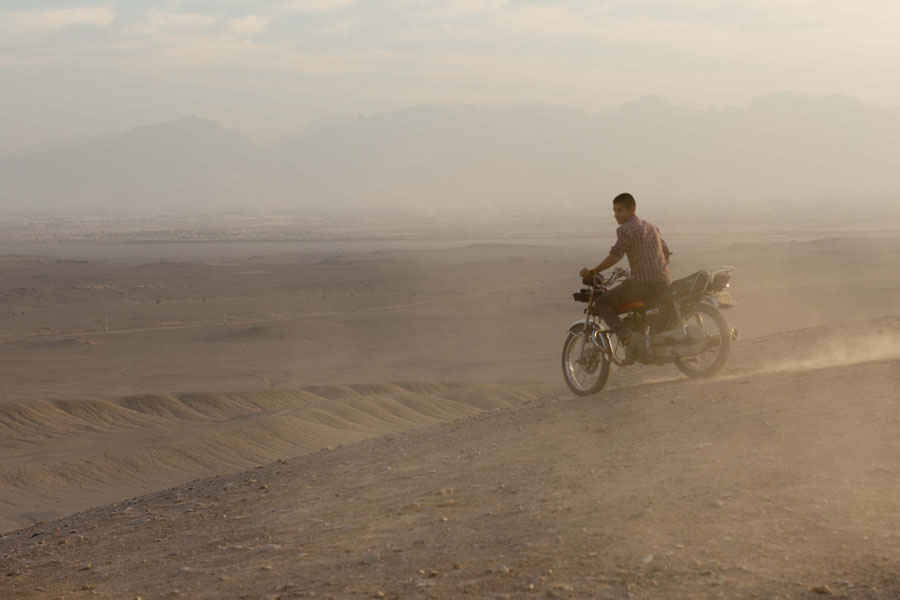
x: 648, y: 257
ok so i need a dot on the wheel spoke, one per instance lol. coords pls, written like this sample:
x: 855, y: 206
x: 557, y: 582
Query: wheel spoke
x: 583, y: 363
x: 712, y: 346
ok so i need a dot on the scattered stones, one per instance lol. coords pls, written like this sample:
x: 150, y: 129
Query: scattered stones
x: 412, y: 506
x: 87, y: 567
x: 268, y: 548
x: 647, y: 559
x: 227, y: 486
x: 370, y: 559
x: 822, y: 590
x: 504, y: 569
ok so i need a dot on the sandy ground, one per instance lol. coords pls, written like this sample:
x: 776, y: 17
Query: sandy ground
x: 778, y: 484
x: 777, y: 479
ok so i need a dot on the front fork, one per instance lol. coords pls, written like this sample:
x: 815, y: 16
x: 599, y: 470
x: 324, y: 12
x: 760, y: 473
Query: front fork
x: 595, y: 335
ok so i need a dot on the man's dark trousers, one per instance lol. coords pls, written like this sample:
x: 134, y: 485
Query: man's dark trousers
x: 629, y: 291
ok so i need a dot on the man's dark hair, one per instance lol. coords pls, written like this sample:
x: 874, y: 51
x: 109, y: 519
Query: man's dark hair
x: 626, y: 199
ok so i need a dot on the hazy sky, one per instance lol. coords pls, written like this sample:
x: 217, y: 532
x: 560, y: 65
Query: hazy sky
x: 267, y: 67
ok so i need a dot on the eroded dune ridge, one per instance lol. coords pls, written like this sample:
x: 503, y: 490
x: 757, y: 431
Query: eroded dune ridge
x: 759, y: 484
x: 65, y: 455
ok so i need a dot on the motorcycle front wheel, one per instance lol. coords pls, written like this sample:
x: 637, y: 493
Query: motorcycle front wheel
x: 585, y: 366
x: 715, y: 353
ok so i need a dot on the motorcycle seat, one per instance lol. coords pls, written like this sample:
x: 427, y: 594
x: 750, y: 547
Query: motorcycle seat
x: 692, y: 284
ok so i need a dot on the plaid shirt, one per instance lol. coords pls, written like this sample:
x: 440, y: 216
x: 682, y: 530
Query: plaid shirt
x: 648, y: 254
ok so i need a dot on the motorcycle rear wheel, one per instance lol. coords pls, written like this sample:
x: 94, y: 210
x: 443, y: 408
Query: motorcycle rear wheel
x: 587, y: 371
x: 714, y: 325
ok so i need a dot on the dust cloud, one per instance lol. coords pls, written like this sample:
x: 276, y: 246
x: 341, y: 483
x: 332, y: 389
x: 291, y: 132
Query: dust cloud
x: 848, y: 350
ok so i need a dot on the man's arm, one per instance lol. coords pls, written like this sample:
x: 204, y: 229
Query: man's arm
x: 615, y: 254
x: 607, y: 263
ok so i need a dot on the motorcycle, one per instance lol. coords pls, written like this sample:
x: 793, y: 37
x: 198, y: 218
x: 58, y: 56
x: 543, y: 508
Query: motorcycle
x: 684, y: 326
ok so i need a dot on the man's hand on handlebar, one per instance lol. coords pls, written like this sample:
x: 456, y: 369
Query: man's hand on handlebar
x: 609, y: 261
x: 592, y: 277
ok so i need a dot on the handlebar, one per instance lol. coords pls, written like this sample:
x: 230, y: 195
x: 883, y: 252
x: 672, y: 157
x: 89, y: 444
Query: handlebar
x: 614, y: 276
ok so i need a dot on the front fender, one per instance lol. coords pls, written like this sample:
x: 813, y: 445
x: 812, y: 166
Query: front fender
x: 599, y: 339
x: 577, y: 325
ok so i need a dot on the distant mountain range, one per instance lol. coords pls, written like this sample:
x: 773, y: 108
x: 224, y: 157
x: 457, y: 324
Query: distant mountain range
x: 783, y: 146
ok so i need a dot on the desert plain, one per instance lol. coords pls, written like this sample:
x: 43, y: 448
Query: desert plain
x: 385, y: 417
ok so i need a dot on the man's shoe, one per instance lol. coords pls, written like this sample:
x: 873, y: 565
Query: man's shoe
x: 636, y: 346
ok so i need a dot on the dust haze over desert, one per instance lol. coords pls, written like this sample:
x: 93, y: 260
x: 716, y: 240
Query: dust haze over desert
x: 285, y: 286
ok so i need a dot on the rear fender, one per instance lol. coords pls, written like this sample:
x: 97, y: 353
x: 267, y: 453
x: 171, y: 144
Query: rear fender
x: 719, y: 300
x: 709, y: 299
